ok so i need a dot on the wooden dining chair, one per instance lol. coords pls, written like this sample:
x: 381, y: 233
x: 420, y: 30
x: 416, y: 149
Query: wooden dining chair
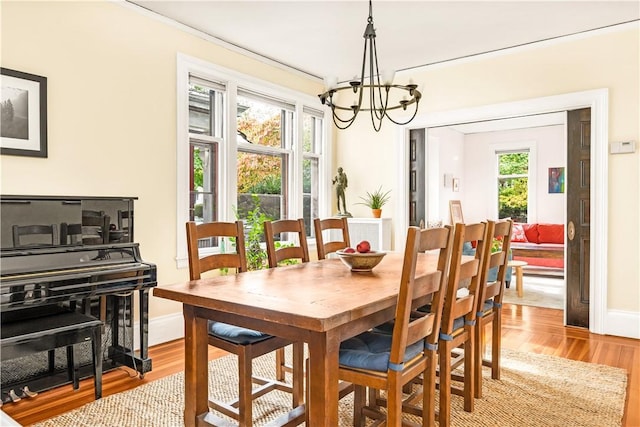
x: 95, y: 227
x: 489, y: 301
x: 325, y: 247
x: 31, y: 235
x: 388, y: 362
x: 457, y: 332
x: 274, y: 231
x: 247, y: 344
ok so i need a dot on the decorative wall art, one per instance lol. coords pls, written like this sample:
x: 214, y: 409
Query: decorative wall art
x: 455, y: 208
x: 23, y: 125
x: 556, y: 180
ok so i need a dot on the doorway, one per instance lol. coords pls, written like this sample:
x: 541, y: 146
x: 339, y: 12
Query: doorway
x: 597, y: 100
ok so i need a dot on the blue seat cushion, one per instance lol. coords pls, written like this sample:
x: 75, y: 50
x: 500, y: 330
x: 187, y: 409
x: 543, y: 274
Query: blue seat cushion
x: 371, y: 351
x: 235, y: 334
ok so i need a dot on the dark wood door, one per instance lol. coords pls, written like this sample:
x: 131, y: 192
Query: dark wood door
x: 578, y: 221
x: 417, y: 190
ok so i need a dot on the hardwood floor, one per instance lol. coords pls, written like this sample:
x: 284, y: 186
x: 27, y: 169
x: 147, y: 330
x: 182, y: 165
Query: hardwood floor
x: 531, y: 329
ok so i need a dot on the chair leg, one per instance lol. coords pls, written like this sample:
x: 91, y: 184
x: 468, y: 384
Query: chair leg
x: 496, y: 340
x: 478, y: 355
x: 444, y: 412
x: 469, y: 372
x: 245, y: 403
x: 429, y: 391
x: 280, y: 362
x: 359, y: 401
x: 297, y: 382
x: 394, y: 402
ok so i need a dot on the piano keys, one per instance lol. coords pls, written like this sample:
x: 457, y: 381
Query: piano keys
x: 97, y: 270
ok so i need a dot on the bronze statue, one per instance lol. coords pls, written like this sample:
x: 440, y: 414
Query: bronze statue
x: 341, y: 183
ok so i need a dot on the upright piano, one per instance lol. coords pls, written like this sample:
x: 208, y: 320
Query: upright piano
x: 66, y: 254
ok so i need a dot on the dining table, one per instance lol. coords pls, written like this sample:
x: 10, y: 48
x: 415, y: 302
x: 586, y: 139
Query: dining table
x: 321, y: 303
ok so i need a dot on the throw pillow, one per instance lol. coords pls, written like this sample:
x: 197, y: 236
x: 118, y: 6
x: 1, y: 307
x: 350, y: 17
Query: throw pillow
x: 551, y: 233
x: 517, y: 233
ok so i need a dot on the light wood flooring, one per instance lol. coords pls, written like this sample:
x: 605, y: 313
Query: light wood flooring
x: 531, y: 329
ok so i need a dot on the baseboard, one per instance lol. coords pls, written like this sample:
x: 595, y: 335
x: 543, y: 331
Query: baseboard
x: 162, y: 329
x: 623, y: 323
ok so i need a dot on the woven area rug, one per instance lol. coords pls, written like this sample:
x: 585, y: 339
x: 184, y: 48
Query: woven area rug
x: 534, y: 390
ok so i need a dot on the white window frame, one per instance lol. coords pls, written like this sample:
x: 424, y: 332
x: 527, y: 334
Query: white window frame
x: 228, y: 147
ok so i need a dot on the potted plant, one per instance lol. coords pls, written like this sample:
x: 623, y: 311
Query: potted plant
x: 375, y: 201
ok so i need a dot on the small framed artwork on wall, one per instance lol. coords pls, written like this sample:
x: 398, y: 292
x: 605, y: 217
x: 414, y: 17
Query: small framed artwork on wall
x: 556, y: 180
x: 23, y: 126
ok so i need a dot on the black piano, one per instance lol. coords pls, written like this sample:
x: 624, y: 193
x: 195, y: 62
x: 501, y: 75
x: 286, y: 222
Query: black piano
x: 72, y: 255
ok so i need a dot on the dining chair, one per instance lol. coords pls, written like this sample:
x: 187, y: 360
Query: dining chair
x: 324, y: 248
x: 35, y: 235
x: 388, y: 362
x: 457, y: 332
x: 247, y: 344
x: 489, y: 302
x: 274, y: 231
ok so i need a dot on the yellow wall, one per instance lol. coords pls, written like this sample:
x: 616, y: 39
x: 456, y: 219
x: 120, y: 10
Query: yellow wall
x: 606, y: 60
x: 112, y: 110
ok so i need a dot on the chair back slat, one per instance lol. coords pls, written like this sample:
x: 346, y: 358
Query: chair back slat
x: 275, y: 228
x: 198, y: 265
x: 38, y: 232
x: 419, y: 328
x: 325, y: 248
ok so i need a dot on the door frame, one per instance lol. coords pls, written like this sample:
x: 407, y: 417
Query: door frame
x: 598, y: 101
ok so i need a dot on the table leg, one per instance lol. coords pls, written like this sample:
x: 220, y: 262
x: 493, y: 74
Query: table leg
x: 519, y: 280
x: 323, y: 380
x: 196, y: 376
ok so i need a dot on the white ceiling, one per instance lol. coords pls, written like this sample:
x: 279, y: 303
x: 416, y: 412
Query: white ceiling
x: 324, y: 38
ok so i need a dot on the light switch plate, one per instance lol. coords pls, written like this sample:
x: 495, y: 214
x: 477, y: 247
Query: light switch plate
x: 622, y: 147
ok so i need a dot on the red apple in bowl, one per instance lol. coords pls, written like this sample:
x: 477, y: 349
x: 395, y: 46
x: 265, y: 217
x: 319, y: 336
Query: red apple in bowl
x: 363, y: 247
x: 349, y: 250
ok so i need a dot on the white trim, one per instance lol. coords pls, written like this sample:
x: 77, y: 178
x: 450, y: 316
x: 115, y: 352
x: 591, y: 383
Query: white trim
x: 623, y: 323
x: 598, y: 101
x: 161, y: 329
x: 228, y: 151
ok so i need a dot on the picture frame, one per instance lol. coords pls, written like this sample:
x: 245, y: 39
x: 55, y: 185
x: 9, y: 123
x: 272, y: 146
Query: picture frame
x: 455, y: 209
x: 23, y: 124
x: 556, y: 180
x: 455, y: 184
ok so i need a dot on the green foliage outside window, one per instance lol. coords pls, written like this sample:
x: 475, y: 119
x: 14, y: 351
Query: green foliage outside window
x: 513, y: 169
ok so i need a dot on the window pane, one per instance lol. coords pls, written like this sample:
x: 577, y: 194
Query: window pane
x: 262, y: 183
x: 205, y: 110
x: 310, y: 193
x: 202, y: 183
x: 513, y: 164
x: 263, y: 123
x: 512, y: 198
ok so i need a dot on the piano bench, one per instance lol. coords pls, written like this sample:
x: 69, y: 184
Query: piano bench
x: 26, y: 337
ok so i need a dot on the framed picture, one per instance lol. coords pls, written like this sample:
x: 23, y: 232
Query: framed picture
x: 556, y: 180
x: 23, y: 125
x: 456, y: 184
x: 455, y: 208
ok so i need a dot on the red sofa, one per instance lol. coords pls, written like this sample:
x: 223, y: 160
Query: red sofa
x: 540, y: 245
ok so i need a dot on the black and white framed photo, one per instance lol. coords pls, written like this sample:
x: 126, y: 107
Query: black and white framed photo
x: 23, y: 126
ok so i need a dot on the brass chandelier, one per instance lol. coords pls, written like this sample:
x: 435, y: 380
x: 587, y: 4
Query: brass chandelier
x: 379, y: 88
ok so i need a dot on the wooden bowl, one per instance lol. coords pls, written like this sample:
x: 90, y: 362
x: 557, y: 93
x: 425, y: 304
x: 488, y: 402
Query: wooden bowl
x: 361, y: 262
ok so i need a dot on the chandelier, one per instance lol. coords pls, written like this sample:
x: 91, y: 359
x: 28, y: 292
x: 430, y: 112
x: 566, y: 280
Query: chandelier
x: 377, y: 88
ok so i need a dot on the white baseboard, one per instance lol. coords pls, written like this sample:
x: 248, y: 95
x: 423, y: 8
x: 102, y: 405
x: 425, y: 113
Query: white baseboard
x: 623, y: 323
x: 162, y: 329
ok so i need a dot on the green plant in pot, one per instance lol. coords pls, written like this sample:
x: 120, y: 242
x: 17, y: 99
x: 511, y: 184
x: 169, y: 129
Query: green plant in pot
x: 375, y: 201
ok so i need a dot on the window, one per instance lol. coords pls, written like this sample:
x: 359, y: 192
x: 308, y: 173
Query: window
x: 312, y: 137
x: 243, y: 142
x: 513, y: 185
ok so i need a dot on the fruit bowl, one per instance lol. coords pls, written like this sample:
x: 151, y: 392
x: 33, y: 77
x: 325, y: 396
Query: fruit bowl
x: 361, y: 261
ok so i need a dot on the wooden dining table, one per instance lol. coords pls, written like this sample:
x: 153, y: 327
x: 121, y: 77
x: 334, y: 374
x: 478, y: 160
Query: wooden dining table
x: 320, y: 303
